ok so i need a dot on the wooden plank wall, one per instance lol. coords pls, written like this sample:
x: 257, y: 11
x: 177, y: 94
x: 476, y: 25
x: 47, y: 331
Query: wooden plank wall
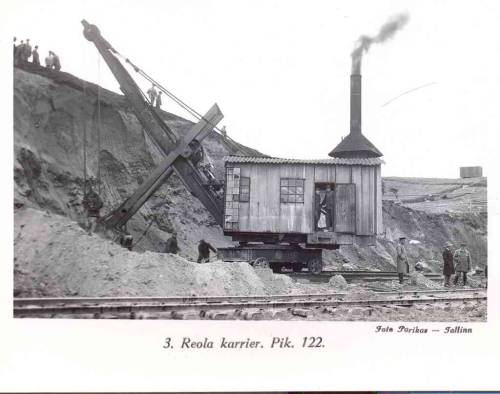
x: 265, y: 213
x: 345, y: 208
x: 378, y: 201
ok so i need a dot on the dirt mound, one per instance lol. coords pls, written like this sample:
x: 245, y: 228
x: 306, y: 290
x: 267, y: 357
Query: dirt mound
x: 338, y: 282
x: 55, y: 257
x: 418, y: 279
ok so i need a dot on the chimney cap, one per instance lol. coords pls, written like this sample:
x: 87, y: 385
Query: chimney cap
x: 355, y: 145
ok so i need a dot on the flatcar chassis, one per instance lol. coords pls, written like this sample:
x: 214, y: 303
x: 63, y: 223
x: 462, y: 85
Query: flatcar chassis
x: 275, y: 256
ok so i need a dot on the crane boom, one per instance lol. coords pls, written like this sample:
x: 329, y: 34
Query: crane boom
x: 181, y: 154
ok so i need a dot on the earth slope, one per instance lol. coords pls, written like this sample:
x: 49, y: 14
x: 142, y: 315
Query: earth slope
x: 52, y: 113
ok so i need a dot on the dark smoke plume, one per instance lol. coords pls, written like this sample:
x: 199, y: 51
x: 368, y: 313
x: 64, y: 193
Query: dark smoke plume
x: 363, y: 44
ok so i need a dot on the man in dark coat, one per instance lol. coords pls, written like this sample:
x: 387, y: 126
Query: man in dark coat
x: 204, y: 251
x: 93, y: 204
x: 329, y: 206
x: 171, y: 246
x: 402, y: 265
x: 448, y: 268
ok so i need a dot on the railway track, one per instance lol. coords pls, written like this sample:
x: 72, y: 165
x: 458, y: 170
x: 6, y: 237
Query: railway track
x: 229, y: 307
x: 353, y: 276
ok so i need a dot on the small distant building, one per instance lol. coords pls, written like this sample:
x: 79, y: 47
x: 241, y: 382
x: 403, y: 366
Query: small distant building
x: 471, y: 172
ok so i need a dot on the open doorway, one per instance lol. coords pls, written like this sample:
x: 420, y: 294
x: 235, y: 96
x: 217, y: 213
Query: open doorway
x: 324, y: 203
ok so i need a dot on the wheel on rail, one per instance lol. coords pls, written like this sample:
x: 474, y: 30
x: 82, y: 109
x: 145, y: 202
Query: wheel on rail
x: 276, y: 268
x: 315, y: 266
x: 260, y: 262
x: 297, y: 268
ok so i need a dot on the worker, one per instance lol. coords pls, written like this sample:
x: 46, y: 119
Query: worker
x: 448, y: 268
x: 171, y: 246
x: 56, y: 63
x: 20, y: 53
x: 320, y: 209
x: 223, y: 132
x: 317, y: 208
x: 204, y: 251
x: 152, y: 93
x: 402, y: 265
x: 329, y: 207
x: 93, y: 204
x: 158, y: 100
x: 36, y: 56
x: 463, y: 263
x: 26, y: 52
x: 49, y: 60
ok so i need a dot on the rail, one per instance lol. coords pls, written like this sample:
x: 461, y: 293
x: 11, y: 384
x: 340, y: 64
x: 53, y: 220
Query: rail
x: 51, y: 307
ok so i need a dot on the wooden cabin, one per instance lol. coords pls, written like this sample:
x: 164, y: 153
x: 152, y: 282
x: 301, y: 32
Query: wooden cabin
x: 321, y: 203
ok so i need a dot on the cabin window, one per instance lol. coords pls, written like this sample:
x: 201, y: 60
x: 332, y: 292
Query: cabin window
x: 244, y: 189
x: 292, y: 190
x: 233, y: 190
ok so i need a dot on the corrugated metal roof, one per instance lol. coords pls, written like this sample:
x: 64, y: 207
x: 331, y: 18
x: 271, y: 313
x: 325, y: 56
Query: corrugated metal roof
x: 372, y: 161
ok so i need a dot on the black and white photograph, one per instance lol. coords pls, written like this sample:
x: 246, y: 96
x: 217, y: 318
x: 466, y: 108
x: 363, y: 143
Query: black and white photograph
x: 250, y: 165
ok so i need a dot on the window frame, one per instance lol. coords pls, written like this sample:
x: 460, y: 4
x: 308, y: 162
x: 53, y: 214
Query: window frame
x: 246, y: 187
x: 291, y: 187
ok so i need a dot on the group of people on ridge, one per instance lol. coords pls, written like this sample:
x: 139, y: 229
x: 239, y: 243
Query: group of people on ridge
x: 456, y: 262
x: 23, y: 52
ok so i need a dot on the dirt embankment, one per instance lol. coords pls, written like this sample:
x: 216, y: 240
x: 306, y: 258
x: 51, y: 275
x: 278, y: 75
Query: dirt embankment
x: 53, y: 256
x: 426, y: 235
x: 52, y: 114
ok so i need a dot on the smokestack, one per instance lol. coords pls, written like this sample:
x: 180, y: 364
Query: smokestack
x: 356, y: 103
x: 355, y: 145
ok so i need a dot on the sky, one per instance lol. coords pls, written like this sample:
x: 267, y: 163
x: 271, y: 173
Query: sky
x: 279, y: 70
